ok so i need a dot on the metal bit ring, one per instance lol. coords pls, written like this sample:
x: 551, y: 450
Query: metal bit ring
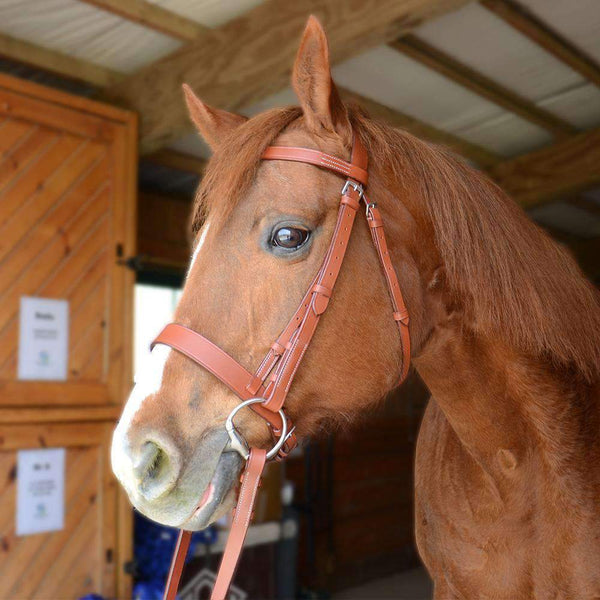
x: 238, y: 443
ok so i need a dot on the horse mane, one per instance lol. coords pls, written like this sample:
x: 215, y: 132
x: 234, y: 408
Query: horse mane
x: 510, y: 278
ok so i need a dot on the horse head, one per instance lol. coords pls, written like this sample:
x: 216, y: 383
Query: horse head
x: 262, y: 229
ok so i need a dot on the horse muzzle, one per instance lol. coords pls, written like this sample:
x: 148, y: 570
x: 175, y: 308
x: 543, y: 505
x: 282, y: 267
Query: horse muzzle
x: 174, y: 489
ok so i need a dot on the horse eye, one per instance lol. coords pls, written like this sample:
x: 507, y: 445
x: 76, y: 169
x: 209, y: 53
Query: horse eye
x: 290, y: 238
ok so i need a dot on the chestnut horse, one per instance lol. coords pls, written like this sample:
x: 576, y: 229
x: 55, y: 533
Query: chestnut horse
x: 504, y: 331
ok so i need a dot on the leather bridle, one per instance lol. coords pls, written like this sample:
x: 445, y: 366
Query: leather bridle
x: 265, y: 390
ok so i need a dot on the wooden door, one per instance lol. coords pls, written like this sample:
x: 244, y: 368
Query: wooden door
x: 67, y: 215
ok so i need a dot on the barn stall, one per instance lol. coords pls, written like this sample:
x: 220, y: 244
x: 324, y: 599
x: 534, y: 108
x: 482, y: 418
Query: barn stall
x: 98, y: 170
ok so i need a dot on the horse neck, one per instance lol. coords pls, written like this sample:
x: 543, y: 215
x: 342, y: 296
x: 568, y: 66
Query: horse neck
x: 507, y: 408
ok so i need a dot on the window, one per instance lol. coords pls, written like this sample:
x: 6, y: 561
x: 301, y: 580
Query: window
x: 153, y: 309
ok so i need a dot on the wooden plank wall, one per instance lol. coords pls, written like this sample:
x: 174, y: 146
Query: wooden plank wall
x: 81, y: 558
x: 67, y: 211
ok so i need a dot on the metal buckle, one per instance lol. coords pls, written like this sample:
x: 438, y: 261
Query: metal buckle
x: 357, y: 187
x: 368, y: 208
x: 238, y: 443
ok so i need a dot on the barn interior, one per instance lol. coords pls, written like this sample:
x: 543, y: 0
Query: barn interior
x: 99, y: 164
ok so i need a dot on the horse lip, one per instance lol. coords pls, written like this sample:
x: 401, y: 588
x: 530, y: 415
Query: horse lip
x: 223, y: 479
x: 209, y: 492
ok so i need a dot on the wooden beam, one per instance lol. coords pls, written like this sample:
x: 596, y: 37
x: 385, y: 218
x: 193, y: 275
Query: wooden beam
x: 471, y: 79
x: 539, y: 32
x: 473, y: 152
x: 153, y: 16
x: 56, y: 62
x: 237, y: 64
x: 177, y: 160
x: 95, y: 75
x: 59, y: 414
x: 565, y: 167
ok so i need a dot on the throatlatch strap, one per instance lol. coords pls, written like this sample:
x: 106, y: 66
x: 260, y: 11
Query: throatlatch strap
x: 400, y: 311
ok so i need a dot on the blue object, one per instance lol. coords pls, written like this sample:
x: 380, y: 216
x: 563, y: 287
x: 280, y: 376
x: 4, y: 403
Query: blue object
x: 147, y: 591
x: 153, y: 548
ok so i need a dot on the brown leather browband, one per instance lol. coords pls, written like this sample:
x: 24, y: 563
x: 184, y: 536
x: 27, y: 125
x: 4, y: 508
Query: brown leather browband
x: 273, y: 378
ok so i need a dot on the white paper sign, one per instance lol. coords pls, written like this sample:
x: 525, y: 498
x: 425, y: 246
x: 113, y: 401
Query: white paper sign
x: 40, y: 490
x: 43, y: 339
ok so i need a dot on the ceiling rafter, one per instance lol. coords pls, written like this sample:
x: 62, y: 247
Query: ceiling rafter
x: 542, y: 34
x: 73, y: 68
x: 152, y: 16
x: 56, y: 62
x: 233, y: 66
x: 546, y: 174
x: 473, y: 152
x: 482, y: 85
x: 532, y: 178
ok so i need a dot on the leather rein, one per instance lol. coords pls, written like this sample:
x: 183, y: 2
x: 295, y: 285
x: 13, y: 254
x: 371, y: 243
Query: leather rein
x: 265, y: 390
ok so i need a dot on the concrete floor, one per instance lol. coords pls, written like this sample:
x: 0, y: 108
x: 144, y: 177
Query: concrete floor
x: 408, y: 585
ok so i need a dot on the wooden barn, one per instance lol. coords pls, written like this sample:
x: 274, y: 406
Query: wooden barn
x: 99, y: 164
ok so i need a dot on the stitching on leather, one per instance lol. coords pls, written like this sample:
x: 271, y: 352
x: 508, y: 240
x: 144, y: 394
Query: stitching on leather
x: 287, y: 387
x: 344, y: 168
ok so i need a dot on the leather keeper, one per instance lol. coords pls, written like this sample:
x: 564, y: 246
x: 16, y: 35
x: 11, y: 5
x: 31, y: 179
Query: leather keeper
x: 254, y: 385
x: 351, y: 202
x: 402, y: 317
x: 277, y: 348
x: 321, y: 289
x: 319, y: 303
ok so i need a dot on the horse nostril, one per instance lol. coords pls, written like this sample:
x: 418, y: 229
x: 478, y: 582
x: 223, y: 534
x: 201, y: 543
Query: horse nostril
x: 154, y: 470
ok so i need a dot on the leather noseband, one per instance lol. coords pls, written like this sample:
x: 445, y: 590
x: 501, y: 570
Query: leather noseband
x: 265, y: 390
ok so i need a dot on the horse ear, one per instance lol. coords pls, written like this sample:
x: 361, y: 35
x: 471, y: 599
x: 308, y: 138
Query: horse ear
x: 319, y: 98
x: 212, y: 123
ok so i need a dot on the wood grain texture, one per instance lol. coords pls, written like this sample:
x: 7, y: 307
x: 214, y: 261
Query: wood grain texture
x: 565, y: 167
x: 482, y: 85
x: 56, y: 98
x: 251, y: 57
x: 56, y: 62
x: 71, y: 562
x: 59, y: 415
x: 67, y: 202
x: 517, y: 15
x: 67, y: 190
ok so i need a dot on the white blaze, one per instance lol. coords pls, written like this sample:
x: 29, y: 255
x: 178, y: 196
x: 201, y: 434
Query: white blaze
x: 199, y: 246
x: 147, y: 382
